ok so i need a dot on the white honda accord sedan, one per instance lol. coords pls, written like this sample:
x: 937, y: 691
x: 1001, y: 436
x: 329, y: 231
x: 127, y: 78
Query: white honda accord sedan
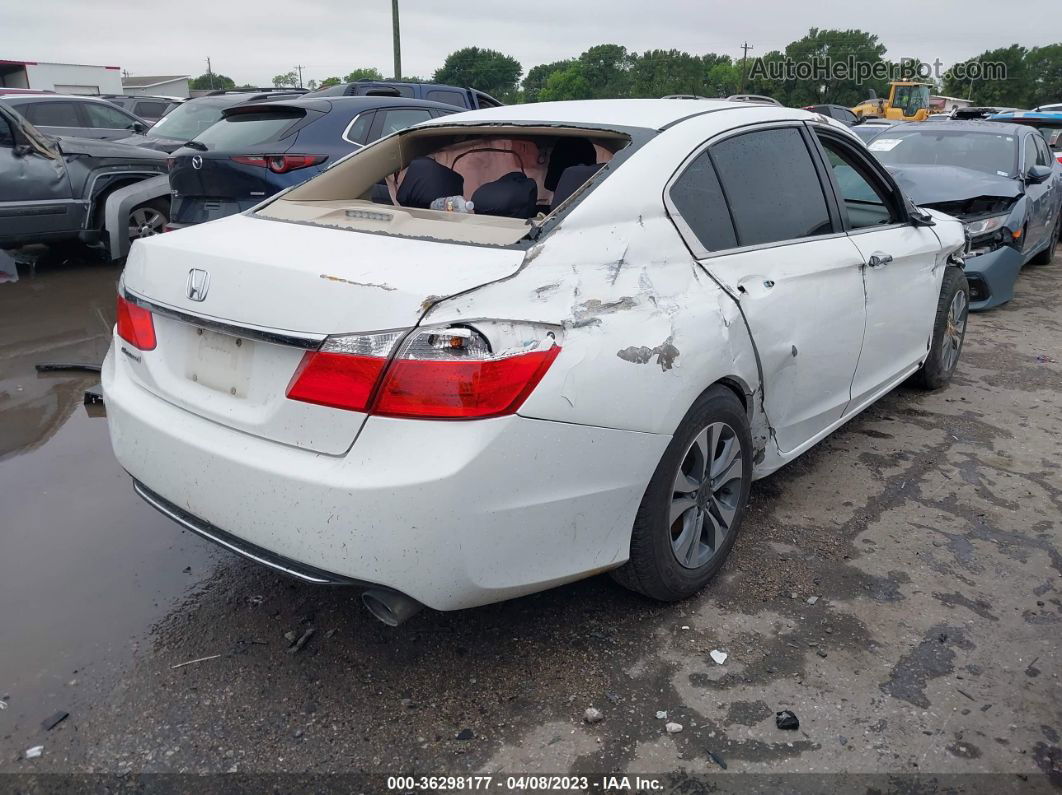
x: 511, y: 348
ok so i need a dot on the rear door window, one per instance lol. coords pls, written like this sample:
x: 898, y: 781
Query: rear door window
x: 249, y: 129
x: 150, y: 110
x: 447, y: 97
x: 771, y: 185
x: 7, y: 138
x: 105, y: 117
x: 357, y: 131
x: 50, y: 114
x: 699, y: 199
x: 400, y: 118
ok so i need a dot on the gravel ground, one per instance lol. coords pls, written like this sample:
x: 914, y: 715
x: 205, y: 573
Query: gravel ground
x: 898, y: 588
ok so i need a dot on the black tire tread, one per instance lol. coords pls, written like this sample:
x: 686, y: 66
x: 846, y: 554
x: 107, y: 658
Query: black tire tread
x: 929, y: 376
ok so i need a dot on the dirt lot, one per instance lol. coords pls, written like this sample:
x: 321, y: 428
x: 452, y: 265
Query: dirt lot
x: 898, y: 588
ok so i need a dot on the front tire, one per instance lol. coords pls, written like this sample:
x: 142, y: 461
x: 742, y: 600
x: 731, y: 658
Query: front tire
x: 148, y: 219
x: 1046, y: 256
x: 693, y: 507
x: 949, y: 331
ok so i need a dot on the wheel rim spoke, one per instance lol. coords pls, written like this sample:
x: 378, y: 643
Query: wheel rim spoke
x: 685, y: 546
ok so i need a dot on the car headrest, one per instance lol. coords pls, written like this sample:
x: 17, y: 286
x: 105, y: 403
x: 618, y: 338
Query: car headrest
x: 425, y: 181
x: 511, y: 196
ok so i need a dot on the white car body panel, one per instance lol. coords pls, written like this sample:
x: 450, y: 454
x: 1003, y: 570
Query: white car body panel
x: 460, y: 513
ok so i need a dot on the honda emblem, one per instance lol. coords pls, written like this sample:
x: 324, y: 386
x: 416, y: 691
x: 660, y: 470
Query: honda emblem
x: 198, y: 284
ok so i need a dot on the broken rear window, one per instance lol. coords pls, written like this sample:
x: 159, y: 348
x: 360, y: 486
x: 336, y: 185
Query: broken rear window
x: 489, y: 185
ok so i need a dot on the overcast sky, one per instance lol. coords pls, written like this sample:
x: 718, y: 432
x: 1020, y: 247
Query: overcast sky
x: 250, y: 41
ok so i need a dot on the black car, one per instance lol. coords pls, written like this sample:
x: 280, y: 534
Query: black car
x: 468, y: 98
x: 190, y: 118
x: 80, y: 117
x: 54, y: 189
x: 839, y: 112
x: 258, y: 149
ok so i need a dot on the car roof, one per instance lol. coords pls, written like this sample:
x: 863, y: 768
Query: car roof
x: 325, y: 104
x: 655, y: 114
x: 1028, y: 116
x: 22, y: 98
x: 978, y: 125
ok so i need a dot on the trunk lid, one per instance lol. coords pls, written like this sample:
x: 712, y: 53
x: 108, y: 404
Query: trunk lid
x: 286, y: 279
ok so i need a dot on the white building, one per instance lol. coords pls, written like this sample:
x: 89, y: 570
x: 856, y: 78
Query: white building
x: 63, y: 78
x: 157, y: 85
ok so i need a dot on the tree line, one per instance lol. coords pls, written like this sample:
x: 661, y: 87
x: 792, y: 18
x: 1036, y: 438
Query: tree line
x: 1033, y: 75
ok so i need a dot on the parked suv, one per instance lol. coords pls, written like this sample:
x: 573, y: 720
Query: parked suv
x: 257, y: 149
x: 81, y: 117
x: 190, y: 118
x: 56, y: 189
x: 468, y: 98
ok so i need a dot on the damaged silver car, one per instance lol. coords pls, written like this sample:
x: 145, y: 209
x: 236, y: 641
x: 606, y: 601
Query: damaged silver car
x: 511, y: 348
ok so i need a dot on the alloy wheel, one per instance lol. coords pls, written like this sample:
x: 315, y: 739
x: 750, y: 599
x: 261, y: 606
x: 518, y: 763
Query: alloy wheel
x: 705, y: 495
x: 954, y: 329
x: 145, y: 222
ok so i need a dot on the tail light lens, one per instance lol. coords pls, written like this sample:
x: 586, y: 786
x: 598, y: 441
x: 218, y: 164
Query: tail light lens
x: 438, y: 373
x: 135, y: 325
x: 280, y: 164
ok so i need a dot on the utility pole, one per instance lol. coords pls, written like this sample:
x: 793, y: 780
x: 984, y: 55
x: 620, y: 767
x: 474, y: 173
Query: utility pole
x: 299, y: 67
x: 397, y: 39
x: 210, y: 72
x: 745, y: 47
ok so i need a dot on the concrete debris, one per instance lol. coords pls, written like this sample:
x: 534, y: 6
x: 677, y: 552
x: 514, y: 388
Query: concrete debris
x: 718, y: 656
x: 302, y: 641
x: 661, y: 715
x: 673, y: 728
x: 787, y: 720
x: 593, y: 715
x: 34, y: 752
x: 54, y: 720
x: 812, y: 600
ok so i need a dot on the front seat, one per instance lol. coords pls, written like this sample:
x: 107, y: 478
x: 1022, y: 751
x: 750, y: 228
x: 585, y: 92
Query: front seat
x: 567, y: 152
x: 570, y: 180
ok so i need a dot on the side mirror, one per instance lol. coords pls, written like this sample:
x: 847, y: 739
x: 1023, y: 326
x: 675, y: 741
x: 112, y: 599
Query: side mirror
x: 139, y: 127
x: 22, y: 150
x: 1037, y: 174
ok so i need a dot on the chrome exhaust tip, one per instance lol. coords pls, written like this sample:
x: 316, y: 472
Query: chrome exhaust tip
x: 390, y: 607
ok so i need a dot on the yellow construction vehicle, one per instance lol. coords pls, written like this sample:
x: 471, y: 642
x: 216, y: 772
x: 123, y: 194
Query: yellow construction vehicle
x: 908, y: 101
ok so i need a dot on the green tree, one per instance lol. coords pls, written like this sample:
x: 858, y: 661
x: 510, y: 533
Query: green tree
x: 537, y: 77
x: 363, y: 73
x: 1045, y: 70
x: 657, y: 73
x: 288, y: 79
x: 567, y: 83
x: 328, y: 82
x: 836, y: 46
x: 487, y: 70
x: 1013, y: 90
x: 723, y: 78
x: 607, y: 68
x: 203, y: 82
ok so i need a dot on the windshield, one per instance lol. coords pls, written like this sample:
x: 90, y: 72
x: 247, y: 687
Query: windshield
x: 249, y: 129
x: 186, y: 121
x: 992, y: 153
x: 911, y: 99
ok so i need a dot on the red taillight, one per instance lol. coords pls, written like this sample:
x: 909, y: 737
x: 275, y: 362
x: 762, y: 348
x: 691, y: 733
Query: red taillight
x: 461, y: 390
x: 279, y: 164
x: 339, y: 380
x: 135, y: 325
x: 436, y: 374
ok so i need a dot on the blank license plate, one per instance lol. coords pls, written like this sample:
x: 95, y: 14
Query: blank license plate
x: 220, y: 362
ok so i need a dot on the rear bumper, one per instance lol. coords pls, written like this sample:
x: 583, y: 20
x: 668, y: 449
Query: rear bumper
x: 992, y: 277
x: 453, y: 514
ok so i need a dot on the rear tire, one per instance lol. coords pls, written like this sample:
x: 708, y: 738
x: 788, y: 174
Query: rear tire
x: 692, y: 509
x: 148, y: 219
x: 1047, y: 256
x: 949, y: 331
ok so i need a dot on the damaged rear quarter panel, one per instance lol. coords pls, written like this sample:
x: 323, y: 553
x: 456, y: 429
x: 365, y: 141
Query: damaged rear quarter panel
x: 645, y: 329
